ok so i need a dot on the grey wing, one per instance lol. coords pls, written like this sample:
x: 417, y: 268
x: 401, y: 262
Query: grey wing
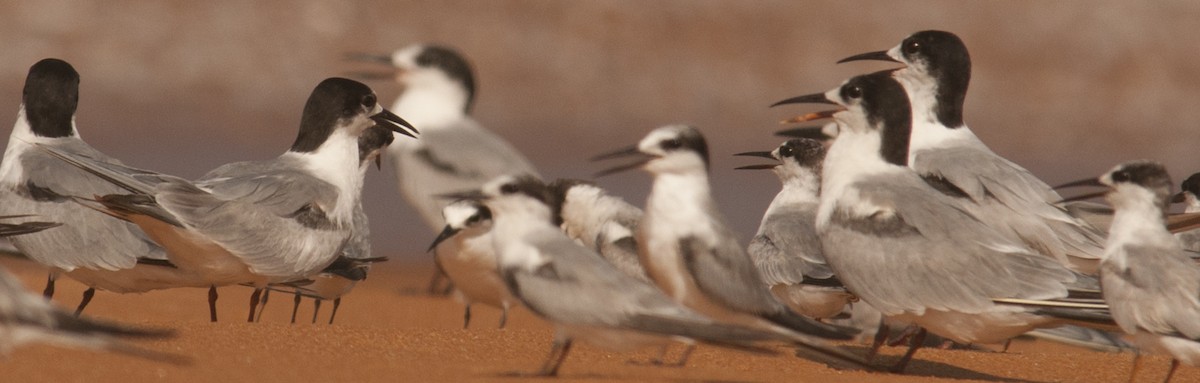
x: 452, y: 159
x: 576, y: 286
x: 929, y: 254
x: 88, y: 238
x: 787, y: 247
x: 1022, y: 202
x: 304, y: 239
x: 725, y: 274
x: 618, y: 245
x: 1159, y: 291
x: 281, y: 190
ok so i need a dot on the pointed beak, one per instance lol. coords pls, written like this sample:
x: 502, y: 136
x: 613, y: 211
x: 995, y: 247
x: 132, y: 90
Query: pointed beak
x: 811, y: 132
x: 1083, y: 182
x: 756, y: 167
x: 446, y: 233
x: 815, y: 98
x: 392, y: 122
x: 879, y: 56
x: 630, y: 151
x: 756, y: 154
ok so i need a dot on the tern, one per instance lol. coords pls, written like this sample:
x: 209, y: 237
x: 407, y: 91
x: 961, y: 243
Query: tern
x: 587, y: 298
x: 907, y: 248
x: 260, y: 222
x: 455, y: 151
x: 465, y: 252
x: 690, y: 252
x: 1150, y: 284
x: 944, y: 150
x: 90, y: 247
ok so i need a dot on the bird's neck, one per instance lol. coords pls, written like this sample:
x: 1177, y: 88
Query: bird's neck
x: 801, y: 187
x: 19, y: 141
x: 432, y: 104
x: 336, y: 161
x: 681, y: 201
x: 1137, y: 219
x: 852, y: 157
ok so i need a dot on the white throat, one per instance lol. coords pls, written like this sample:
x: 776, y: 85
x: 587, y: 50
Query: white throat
x: 336, y: 162
x: 431, y: 100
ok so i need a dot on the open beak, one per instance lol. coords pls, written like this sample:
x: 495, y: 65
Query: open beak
x: 811, y: 116
x: 392, y: 122
x: 879, y: 56
x: 446, y: 233
x: 1083, y: 182
x: 631, y: 151
x: 815, y: 98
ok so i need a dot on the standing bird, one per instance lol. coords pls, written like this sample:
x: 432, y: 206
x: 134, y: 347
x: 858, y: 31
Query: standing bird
x: 455, y: 152
x: 589, y: 299
x: 691, y: 253
x: 786, y: 249
x: 945, y: 151
x: 352, y: 266
x: 265, y: 221
x: 600, y: 221
x: 1151, y: 286
x: 90, y: 247
x: 904, y: 246
x: 464, y: 250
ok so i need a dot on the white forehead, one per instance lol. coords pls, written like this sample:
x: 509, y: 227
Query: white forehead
x: 407, y: 57
x: 650, y: 143
x: 458, y: 212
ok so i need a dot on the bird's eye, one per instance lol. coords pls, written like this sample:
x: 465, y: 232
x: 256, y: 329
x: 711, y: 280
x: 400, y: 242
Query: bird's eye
x: 671, y: 144
x: 854, y: 92
x: 508, y: 188
x: 912, y: 47
x: 785, y: 151
x: 1121, y: 176
x: 369, y: 101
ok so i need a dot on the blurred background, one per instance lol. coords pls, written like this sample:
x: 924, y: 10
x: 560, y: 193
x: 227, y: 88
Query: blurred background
x: 1066, y: 89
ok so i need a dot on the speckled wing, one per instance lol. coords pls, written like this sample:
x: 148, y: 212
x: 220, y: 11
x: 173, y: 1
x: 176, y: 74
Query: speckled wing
x: 924, y: 252
x: 1158, y: 291
x: 452, y: 159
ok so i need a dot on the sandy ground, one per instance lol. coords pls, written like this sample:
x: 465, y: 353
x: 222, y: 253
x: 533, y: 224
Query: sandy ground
x: 386, y: 331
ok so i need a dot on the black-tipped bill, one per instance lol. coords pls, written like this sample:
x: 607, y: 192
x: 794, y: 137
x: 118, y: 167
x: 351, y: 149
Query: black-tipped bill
x: 810, y: 132
x: 878, y: 56
x: 369, y: 58
x: 622, y: 152
x: 470, y: 195
x: 815, y: 98
x: 391, y: 121
x: 446, y: 233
